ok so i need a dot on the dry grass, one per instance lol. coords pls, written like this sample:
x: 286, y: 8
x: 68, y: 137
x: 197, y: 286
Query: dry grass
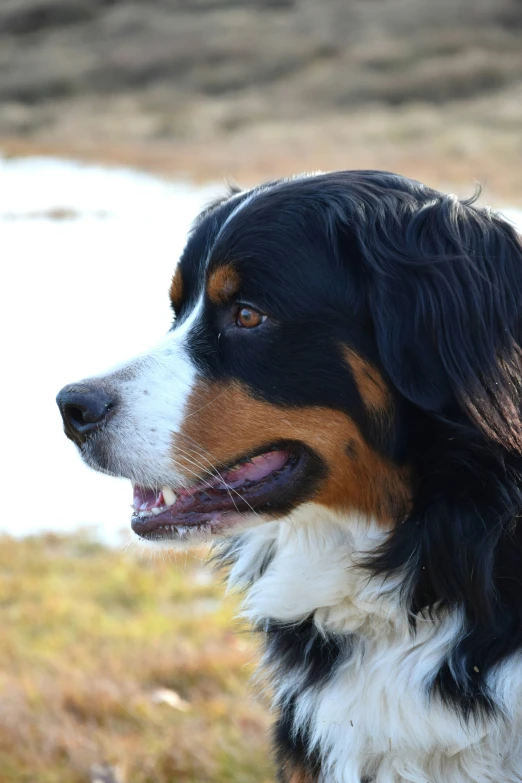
x: 89, y: 637
x: 452, y: 147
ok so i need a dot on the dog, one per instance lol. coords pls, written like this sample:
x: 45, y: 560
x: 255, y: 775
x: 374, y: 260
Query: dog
x: 338, y: 407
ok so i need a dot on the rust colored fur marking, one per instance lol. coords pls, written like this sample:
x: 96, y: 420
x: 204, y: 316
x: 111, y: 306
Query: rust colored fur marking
x: 222, y: 284
x: 176, y: 289
x: 371, y: 385
x: 224, y: 422
x: 300, y: 776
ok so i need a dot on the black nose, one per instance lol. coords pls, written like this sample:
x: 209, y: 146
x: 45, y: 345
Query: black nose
x: 83, y: 410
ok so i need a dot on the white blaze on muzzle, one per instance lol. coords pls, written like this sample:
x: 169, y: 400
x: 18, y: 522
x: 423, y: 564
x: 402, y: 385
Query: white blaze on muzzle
x: 151, y: 393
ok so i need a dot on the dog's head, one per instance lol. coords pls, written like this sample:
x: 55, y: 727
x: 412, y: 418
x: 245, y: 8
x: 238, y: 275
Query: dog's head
x: 338, y: 339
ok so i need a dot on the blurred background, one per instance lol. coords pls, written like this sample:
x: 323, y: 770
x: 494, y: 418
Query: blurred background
x: 119, y: 121
x: 260, y: 88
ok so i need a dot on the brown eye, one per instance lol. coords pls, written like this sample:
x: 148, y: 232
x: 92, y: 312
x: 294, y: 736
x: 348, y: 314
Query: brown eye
x: 248, y: 318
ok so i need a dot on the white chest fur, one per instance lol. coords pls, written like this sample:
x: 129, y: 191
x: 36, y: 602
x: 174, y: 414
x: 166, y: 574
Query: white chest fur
x: 371, y: 717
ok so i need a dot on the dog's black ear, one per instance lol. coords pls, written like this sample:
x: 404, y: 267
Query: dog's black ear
x: 446, y: 302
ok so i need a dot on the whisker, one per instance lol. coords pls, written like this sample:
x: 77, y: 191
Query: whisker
x: 202, y: 467
x: 188, y: 415
x: 200, y: 452
x: 219, y: 475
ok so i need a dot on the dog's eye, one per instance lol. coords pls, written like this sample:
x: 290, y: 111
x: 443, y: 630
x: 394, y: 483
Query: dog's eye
x: 248, y: 318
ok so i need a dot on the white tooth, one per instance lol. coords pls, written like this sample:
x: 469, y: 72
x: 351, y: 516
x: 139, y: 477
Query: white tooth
x: 156, y: 511
x: 169, y: 496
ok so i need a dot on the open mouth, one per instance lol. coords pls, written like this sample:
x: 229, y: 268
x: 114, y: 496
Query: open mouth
x: 266, y: 482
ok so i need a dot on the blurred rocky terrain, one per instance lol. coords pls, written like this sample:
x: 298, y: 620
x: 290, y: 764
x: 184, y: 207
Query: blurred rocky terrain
x: 256, y: 79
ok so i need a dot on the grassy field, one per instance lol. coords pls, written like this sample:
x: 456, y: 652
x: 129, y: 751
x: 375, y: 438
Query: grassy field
x: 114, y: 667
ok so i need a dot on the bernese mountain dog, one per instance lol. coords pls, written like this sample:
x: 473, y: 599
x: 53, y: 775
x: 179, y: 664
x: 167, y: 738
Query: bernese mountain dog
x: 338, y: 407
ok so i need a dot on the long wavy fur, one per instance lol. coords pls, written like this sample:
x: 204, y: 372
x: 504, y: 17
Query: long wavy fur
x: 445, y: 295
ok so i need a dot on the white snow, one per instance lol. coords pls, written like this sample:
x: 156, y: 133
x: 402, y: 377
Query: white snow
x: 78, y: 294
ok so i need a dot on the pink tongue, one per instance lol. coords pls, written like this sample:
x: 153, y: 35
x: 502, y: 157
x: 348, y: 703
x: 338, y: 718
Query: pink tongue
x: 257, y: 469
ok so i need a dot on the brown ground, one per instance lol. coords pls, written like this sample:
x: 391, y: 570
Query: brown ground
x: 451, y: 147
x: 118, y: 669
x: 257, y: 89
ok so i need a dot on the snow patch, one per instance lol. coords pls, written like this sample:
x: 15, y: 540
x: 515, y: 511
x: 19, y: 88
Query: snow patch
x: 80, y: 294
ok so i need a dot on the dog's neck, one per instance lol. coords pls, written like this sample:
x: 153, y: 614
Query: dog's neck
x: 350, y: 674
x: 311, y: 564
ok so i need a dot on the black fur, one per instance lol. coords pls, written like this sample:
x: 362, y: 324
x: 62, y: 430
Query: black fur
x: 428, y: 289
x: 293, y: 750
x: 302, y: 647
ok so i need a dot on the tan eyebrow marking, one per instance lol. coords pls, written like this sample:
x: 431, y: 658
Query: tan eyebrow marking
x: 176, y: 289
x: 222, y: 284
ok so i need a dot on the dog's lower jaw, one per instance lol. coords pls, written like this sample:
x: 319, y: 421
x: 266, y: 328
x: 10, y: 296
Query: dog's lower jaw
x: 351, y: 679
